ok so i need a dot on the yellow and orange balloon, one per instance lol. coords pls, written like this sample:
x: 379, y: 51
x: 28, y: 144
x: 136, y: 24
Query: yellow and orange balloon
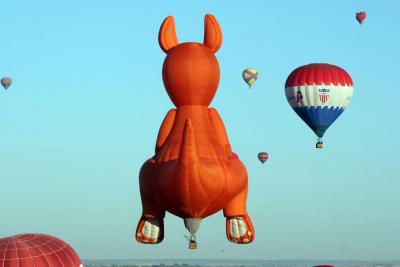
x: 250, y: 76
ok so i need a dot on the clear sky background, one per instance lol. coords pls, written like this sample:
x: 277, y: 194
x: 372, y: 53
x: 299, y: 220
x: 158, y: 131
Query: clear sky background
x: 88, y: 99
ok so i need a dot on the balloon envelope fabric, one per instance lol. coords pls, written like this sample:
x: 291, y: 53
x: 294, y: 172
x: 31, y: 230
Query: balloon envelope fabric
x: 37, y: 250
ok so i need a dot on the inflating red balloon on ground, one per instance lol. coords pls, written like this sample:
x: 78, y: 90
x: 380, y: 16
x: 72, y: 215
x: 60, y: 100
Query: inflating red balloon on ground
x: 37, y: 250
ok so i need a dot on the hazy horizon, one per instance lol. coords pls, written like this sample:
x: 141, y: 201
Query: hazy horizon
x: 227, y: 262
x: 244, y: 259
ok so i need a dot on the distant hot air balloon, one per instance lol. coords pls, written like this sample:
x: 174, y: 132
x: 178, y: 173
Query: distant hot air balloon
x: 37, y: 250
x: 6, y: 82
x: 319, y: 93
x: 361, y: 16
x: 250, y: 76
x: 263, y: 156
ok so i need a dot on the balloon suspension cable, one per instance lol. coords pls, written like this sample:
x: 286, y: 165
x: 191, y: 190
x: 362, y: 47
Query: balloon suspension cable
x: 193, y: 238
x: 192, y: 225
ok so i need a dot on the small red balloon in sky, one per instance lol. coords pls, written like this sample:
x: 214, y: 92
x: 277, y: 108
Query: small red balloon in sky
x: 262, y: 156
x: 361, y: 16
x: 6, y: 82
x: 37, y: 250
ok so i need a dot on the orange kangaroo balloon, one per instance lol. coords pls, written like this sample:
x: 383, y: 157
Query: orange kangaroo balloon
x: 194, y: 172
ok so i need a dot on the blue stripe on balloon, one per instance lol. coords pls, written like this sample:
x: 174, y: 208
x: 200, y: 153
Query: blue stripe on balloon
x: 319, y: 118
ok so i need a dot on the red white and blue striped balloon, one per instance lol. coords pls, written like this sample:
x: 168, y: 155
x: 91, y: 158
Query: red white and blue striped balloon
x: 319, y: 93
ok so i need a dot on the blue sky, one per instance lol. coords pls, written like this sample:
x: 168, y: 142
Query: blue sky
x: 88, y: 99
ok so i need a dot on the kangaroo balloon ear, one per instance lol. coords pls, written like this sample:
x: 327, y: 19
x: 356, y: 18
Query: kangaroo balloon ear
x: 212, y: 33
x: 167, y: 35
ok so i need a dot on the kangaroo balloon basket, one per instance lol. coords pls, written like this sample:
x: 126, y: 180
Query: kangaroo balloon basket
x: 192, y: 245
x: 192, y: 241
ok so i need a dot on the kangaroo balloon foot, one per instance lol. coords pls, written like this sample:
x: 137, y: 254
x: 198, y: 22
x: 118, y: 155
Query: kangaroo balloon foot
x: 150, y: 231
x: 239, y: 229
